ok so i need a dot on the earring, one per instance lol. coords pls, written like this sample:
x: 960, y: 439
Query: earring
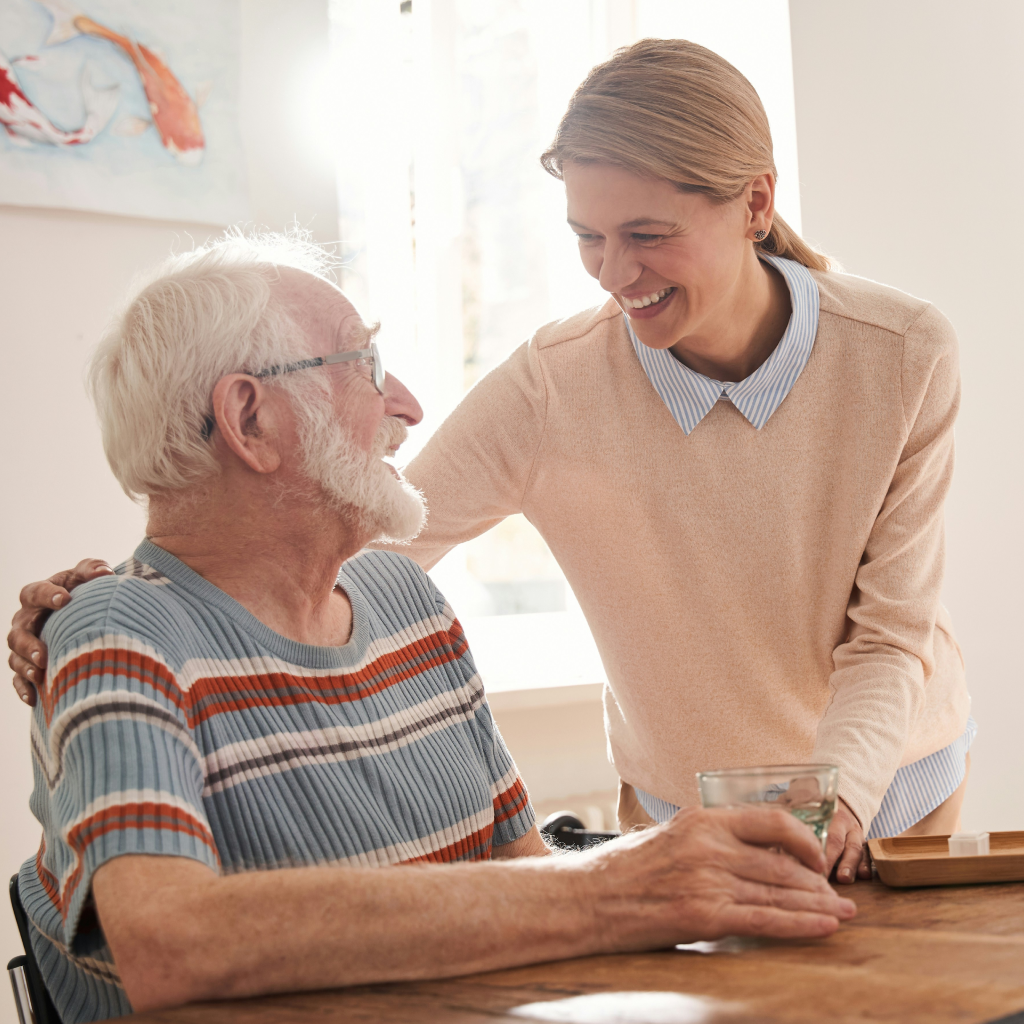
x: 760, y: 236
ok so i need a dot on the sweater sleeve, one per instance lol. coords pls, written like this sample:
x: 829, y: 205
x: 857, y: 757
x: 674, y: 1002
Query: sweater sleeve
x: 476, y: 468
x: 883, y: 667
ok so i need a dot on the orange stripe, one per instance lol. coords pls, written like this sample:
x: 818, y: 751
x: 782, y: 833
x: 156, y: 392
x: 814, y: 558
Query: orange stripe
x: 220, y: 694
x: 509, y: 803
x: 46, y: 877
x: 475, y: 846
x: 119, y: 817
x: 111, y: 661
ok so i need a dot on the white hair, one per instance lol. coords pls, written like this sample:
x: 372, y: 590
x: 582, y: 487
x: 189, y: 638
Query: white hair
x: 199, y: 316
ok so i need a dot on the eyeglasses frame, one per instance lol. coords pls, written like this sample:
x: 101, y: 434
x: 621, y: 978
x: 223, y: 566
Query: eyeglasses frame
x: 308, y: 364
x: 335, y: 357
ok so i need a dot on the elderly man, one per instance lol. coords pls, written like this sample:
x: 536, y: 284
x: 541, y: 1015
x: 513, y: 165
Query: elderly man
x: 249, y: 718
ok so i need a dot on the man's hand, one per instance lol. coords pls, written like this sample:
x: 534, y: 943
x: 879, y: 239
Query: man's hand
x: 38, y: 602
x: 710, y: 873
x: 847, y: 851
x: 179, y: 932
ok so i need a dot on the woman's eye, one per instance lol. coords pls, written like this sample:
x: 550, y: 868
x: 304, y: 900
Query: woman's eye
x: 637, y: 237
x: 585, y: 239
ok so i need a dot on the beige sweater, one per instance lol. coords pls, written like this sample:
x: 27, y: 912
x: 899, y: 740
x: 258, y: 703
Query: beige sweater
x: 758, y: 597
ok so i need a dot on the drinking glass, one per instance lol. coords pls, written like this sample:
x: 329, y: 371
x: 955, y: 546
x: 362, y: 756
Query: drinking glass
x: 807, y: 791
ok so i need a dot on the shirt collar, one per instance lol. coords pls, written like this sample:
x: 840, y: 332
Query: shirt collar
x: 690, y: 396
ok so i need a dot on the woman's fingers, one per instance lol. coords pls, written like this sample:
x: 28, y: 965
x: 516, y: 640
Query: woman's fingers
x: 87, y: 569
x: 38, y: 601
x: 849, y: 861
x: 864, y: 868
x: 25, y: 692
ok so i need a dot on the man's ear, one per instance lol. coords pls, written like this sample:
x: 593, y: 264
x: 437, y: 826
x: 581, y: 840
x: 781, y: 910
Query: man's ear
x: 245, y: 418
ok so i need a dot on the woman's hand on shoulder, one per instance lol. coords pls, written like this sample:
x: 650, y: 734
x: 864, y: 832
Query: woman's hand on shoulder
x: 847, y: 850
x: 38, y: 602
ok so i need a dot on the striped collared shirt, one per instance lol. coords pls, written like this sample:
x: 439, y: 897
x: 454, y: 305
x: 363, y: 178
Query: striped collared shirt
x: 175, y: 723
x: 690, y: 395
x: 917, y: 788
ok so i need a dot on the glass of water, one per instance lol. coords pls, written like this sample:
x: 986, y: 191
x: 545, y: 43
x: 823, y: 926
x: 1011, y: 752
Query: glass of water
x: 807, y: 791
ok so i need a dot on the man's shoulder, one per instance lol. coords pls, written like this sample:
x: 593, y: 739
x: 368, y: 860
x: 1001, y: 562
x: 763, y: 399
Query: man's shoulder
x: 397, y: 589
x: 136, y: 608
x: 378, y: 573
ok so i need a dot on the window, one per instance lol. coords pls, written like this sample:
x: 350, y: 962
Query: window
x: 455, y: 238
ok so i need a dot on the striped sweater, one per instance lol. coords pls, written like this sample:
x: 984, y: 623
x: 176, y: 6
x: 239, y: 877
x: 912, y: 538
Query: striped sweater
x: 174, y: 722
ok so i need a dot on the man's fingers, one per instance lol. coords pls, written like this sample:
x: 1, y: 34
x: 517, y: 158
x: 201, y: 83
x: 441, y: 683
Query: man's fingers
x: 779, y: 828
x: 771, y: 921
x: 25, y: 692
x: 767, y: 867
x: 784, y: 898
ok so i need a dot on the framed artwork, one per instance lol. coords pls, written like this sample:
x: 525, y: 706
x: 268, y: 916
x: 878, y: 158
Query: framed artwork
x: 122, y: 106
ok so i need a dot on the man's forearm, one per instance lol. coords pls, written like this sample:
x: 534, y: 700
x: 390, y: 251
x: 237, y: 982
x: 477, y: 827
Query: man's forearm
x: 190, y: 935
x: 179, y: 933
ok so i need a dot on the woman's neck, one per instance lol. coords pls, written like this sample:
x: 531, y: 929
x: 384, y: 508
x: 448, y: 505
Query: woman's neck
x: 746, y: 330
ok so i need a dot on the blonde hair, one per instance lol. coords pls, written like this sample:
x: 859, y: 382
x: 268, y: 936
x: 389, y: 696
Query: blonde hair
x: 670, y: 109
x: 196, y: 318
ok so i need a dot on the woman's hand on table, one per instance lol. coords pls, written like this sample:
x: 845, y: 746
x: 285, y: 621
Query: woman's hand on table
x: 847, y: 850
x: 38, y: 602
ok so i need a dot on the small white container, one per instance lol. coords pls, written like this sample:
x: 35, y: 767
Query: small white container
x: 968, y: 844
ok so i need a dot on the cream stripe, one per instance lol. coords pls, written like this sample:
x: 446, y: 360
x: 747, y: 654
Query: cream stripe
x: 263, y: 756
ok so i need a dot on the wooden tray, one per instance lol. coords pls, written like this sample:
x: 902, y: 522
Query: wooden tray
x: 925, y: 860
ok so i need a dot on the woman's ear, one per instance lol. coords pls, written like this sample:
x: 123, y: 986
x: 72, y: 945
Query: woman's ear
x: 761, y: 203
x: 245, y: 419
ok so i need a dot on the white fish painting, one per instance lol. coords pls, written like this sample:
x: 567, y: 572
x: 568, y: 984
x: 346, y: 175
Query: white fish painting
x: 26, y: 124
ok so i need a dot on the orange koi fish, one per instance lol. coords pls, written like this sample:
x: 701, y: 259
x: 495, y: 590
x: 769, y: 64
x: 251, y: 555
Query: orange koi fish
x: 174, y: 112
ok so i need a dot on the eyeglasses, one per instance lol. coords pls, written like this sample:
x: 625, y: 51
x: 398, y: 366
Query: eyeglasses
x: 372, y: 354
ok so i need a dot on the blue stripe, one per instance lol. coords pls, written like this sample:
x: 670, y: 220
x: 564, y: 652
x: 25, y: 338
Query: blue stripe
x: 690, y: 396
x: 915, y: 791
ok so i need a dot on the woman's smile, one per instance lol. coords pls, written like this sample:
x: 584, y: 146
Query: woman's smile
x: 646, y: 307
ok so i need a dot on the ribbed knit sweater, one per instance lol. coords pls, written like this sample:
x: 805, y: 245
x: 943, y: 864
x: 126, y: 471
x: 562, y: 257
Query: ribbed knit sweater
x: 175, y: 723
x: 757, y: 596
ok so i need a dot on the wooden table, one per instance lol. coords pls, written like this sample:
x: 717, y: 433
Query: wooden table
x: 913, y: 955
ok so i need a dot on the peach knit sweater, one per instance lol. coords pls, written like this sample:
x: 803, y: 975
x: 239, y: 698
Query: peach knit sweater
x: 757, y: 596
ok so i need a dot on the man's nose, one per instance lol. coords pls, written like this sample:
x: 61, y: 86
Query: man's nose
x: 618, y: 269
x: 401, y: 402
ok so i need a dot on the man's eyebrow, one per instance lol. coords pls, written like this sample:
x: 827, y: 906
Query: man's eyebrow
x: 362, y: 336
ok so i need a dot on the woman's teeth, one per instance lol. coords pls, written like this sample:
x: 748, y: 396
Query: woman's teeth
x: 647, y: 300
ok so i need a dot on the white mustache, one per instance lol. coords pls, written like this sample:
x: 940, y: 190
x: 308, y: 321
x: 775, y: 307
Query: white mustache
x: 391, y: 432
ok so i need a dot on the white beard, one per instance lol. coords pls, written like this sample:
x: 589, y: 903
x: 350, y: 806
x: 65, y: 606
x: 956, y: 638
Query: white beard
x: 355, y: 484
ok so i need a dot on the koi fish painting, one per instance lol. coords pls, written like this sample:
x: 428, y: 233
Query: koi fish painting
x: 122, y: 106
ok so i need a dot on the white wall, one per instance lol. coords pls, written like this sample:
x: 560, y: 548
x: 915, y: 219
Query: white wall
x: 909, y: 123
x: 60, y: 272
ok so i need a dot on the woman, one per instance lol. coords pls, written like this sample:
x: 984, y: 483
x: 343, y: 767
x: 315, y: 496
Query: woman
x: 740, y: 463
